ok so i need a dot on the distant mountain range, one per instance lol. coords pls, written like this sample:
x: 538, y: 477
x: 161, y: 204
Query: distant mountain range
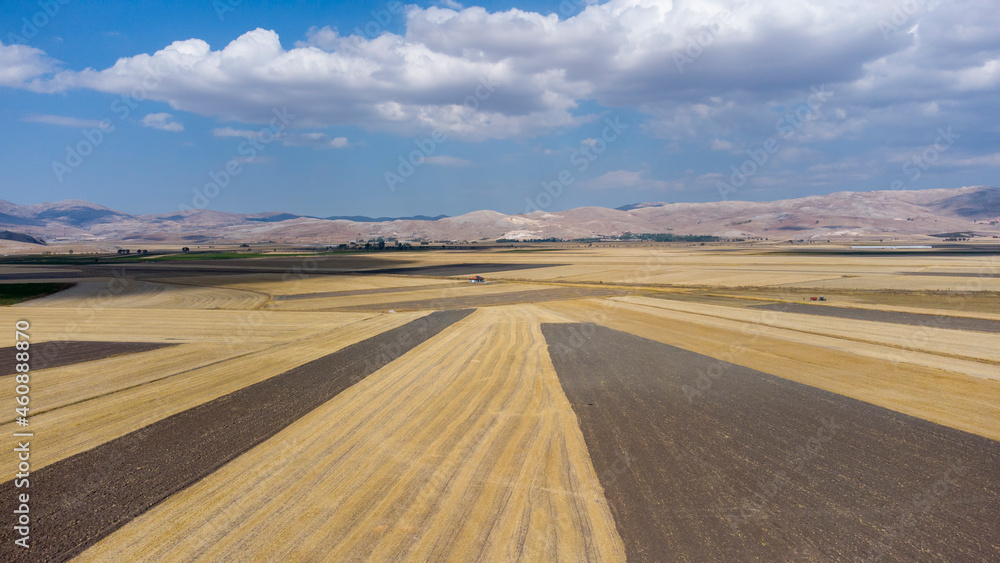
x: 278, y: 217
x: 842, y: 215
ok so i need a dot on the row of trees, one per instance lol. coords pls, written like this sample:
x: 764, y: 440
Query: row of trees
x: 380, y: 245
x: 667, y: 237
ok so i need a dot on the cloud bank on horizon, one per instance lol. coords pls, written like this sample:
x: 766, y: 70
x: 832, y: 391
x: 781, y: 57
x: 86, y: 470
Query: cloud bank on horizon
x: 715, y: 78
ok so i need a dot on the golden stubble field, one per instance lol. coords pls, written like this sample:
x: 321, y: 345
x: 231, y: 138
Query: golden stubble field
x: 466, y: 447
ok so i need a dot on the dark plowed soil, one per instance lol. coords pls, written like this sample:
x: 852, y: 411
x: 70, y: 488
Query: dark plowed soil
x: 355, y: 292
x: 916, y: 319
x: 65, y: 352
x: 295, y: 266
x: 458, y: 269
x: 953, y: 274
x: 79, y: 500
x: 41, y: 275
x: 320, y: 264
x: 487, y: 300
x: 702, y: 460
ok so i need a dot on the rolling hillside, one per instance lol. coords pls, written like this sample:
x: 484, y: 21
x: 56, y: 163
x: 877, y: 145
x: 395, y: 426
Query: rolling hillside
x: 841, y: 216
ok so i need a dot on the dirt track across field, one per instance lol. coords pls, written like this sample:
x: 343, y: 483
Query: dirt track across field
x: 88, y: 496
x: 487, y: 300
x: 66, y: 352
x: 916, y: 319
x: 702, y: 460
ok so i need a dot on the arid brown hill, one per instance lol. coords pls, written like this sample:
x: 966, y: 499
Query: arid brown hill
x: 842, y: 215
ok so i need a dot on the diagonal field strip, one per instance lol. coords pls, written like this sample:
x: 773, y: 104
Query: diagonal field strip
x: 945, y: 394
x: 66, y: 352
x: 88, y: 496
x: 897, y: 317
x: 757, y: 467
x: 117, y: 398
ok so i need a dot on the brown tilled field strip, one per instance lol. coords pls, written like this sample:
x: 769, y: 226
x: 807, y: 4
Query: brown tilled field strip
x: 36, y: 276
x: 90, y: 495
x: 924, y: 385
x: 757, y: 467
x: 915, y: 319
x: 58, y: 353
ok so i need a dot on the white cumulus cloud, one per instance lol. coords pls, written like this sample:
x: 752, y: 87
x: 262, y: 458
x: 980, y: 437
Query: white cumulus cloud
x: 289, y: 139
x: 64, y: 121
x: 162, y: 121
x: 20, y: 64
x: 476, y: 74
x: 445, y: 160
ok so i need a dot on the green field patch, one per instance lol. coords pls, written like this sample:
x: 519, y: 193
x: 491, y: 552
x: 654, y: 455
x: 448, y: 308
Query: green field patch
x: 12, y: 293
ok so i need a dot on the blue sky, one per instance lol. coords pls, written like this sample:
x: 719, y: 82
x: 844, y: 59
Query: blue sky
x: 605, y: 103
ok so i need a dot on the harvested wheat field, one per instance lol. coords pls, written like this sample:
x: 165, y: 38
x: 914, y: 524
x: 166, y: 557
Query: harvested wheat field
x: 61, y: 353
x: 135, y: 294
x: 641, y: 403
x: 464, y: 449
x: 303, y: 283
x: 141, y: 468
